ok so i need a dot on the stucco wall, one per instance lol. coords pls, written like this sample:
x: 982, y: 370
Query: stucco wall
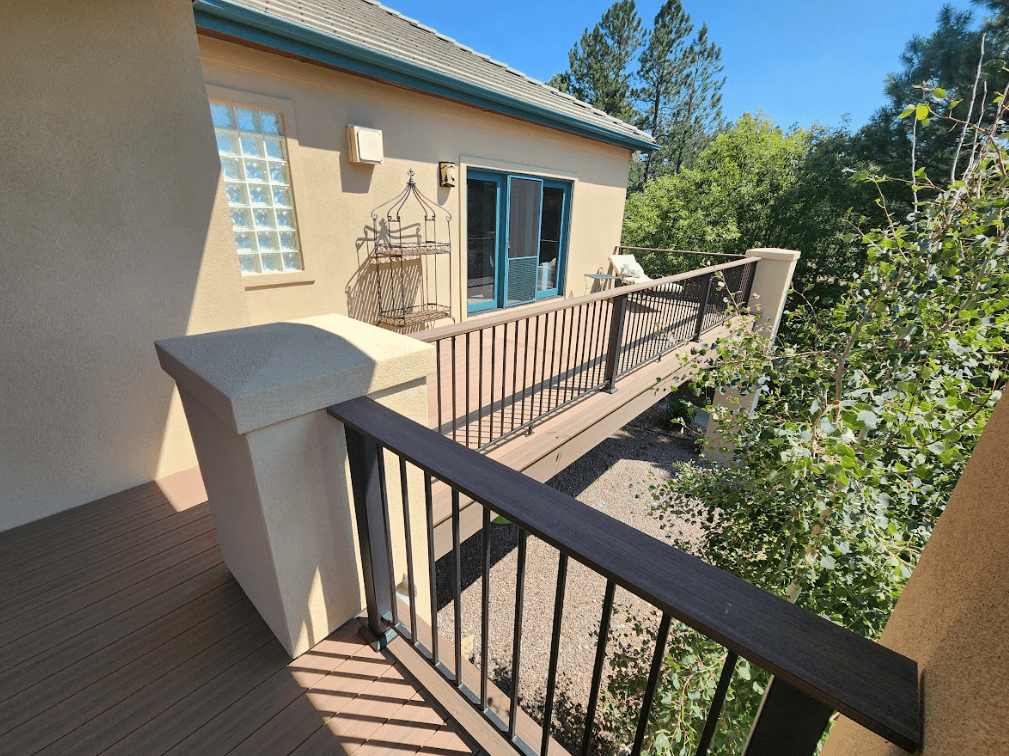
x: 111, y: 239
x: 953, y: 617
x: 335, y: 198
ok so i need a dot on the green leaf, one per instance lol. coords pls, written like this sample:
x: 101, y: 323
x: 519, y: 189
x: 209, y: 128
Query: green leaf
x: 906, y: 111
x: 939, y: 93
x: 827, y: 563
x: 921, y: 112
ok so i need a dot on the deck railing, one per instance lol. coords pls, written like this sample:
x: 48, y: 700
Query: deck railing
x: 499, y: 375
x: 818, y: 667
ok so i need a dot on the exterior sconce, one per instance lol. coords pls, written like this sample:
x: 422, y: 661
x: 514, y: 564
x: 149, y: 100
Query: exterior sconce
x: 446, y: 174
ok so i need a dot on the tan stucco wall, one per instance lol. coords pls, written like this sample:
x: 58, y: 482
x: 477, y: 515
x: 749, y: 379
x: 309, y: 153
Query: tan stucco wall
x: 335, y: 198
x: 953, y: 617
x: 108, y: 181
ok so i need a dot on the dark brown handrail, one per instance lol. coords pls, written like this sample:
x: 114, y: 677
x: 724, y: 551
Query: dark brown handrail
x: 500, y: 375
x: 678, y: 252
x: 869, y: 683
x: 511, y: 315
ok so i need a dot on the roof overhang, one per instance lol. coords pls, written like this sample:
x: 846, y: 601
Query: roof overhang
x: 241, y: 23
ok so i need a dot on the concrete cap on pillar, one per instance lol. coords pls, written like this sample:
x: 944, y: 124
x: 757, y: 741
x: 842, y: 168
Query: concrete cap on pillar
x: 770, y: 253
x: 257, y: 376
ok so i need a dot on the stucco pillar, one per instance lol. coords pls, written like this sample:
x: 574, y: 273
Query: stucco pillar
x: 275, y: 463
x: 771, y: 281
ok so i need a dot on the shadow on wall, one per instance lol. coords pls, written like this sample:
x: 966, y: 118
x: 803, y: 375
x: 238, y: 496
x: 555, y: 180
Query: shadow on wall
x: 382, y: 284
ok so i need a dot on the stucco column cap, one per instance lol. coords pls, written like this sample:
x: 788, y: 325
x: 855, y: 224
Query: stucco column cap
x: 257, y: 376
x: 771, y: 253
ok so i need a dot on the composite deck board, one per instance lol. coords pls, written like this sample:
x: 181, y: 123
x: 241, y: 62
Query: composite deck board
x: 70, y: 543
x: 66, y: 652
x: 20, y: 706
x: 66, y: 575
x: 135, y: 639
x: 108, y: 587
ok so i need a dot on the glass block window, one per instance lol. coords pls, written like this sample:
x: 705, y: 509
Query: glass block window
x: 257, y: 180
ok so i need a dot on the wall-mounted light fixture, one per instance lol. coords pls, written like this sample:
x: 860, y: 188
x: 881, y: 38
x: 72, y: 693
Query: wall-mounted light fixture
x: 446, y: 174
x: 364, y: 145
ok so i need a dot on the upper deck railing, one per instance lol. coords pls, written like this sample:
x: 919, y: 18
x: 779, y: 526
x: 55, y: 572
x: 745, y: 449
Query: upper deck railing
x: 500, y: 374
x: 818, y: 667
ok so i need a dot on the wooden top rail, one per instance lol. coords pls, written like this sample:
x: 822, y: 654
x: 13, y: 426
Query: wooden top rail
x: 678, y: 252
x: 872, y: 685
x: 521, y: 313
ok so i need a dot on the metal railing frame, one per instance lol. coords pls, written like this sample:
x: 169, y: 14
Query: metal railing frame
x: 591, y: 341
x: 817, y: 667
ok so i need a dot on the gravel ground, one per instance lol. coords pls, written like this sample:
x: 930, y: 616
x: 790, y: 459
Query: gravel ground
x: 613, y: 478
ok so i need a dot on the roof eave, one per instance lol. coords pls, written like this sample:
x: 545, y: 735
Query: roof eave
x: 225, y: 18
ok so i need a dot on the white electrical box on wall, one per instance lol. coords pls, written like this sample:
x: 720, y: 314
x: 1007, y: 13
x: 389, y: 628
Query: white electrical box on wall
x: 364, y: 145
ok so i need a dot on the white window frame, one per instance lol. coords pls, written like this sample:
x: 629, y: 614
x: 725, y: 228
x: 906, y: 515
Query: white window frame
x: 258, y: 101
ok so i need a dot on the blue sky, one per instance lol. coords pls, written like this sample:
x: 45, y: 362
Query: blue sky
x: 800, y: 60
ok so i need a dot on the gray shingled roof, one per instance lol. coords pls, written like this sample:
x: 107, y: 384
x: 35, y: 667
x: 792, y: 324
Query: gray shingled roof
x: 373, y: 26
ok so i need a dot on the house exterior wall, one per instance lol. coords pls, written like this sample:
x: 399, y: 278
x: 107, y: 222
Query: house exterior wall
x: 117, y: 230
x: 953, y: 614
x: 334, y: 198
x: 112, y: 238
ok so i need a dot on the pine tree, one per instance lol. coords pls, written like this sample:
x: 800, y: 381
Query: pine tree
x: 662, y: 67
x: 697, y: 111
x: 600, y: 62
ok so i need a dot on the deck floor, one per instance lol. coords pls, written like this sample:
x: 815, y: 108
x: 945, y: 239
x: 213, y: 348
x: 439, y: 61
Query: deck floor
x: 122, y: 632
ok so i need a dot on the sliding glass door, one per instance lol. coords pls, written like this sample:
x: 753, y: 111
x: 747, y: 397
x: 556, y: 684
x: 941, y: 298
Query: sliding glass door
x: 516, y: 237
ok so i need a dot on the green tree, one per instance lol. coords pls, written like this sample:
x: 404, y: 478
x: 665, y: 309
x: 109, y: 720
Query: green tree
x: 864, y: 423
x: 662, y: 68
x: 698, y: 110
x: 755, y: 185
x: 600, y: 62
x: 944, y: 63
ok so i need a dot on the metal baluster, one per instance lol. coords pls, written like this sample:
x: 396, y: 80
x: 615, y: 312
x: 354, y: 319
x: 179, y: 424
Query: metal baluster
x: 653, y: 679
x: 479, y: 392
x: 613, y: 343
x: 432, y: 572
x: 525, y: 372
x: 716, y: 703
x: 466, y: 402
x: 520, y: 585
x: 493, y: 360
x: 555, y: 647
x: 438, y: 358
x: 485, y: 617
x: 362, y: 456
x: 706, y: 290
x: 536, y: 356
x: 409, y: 550
x: 515, y: 372
x: 455, y: 404
x: 597, y: 670
x: 457, y: 587
x: 388, y: 535
x: 554, y: 380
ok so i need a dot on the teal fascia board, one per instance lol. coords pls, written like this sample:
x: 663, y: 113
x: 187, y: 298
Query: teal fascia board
x: 242, y: 23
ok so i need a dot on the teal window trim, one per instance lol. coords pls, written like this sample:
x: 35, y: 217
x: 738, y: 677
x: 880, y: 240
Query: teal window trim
x: 562, y: 247
x: 248, y: 25
x: 499, y: 179
x: 503, y: 180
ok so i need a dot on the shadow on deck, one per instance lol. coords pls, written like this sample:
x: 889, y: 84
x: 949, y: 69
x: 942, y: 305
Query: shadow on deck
x: 122, y: 632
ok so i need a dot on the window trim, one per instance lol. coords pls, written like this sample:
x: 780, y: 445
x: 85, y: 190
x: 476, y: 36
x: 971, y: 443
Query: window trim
x: 503, y: 178
x: 232, y: 96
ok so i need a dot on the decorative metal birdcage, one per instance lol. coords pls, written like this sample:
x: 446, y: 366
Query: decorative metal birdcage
x: 412, y: 291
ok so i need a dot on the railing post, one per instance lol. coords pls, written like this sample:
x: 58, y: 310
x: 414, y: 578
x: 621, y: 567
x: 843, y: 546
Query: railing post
x: 704, y: 307
x: 788, y: 723
x: 369, y: 506
x: 613, y: 345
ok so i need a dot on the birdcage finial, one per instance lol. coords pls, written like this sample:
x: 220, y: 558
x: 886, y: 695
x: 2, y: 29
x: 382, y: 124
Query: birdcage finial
x: 411, y: 182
